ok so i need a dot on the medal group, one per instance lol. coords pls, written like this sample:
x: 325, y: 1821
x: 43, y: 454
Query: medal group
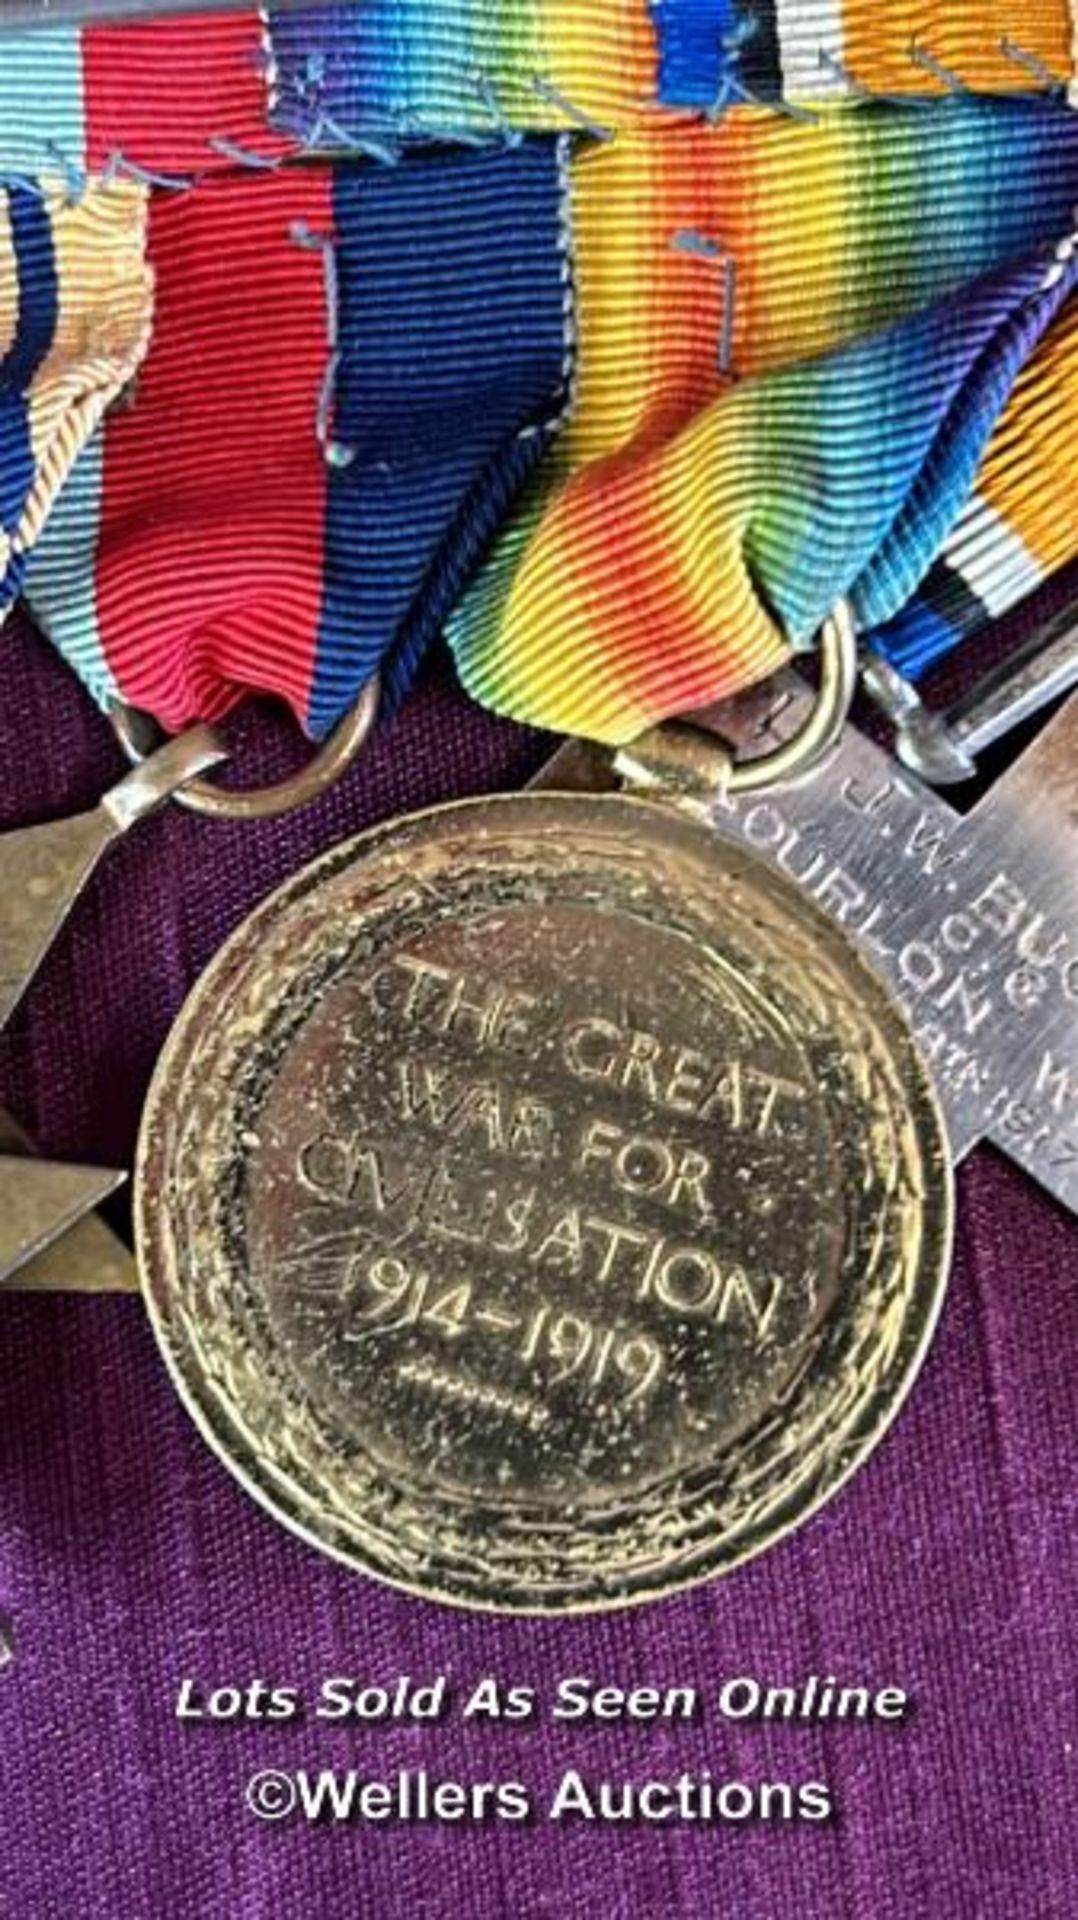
x: 639, y: 349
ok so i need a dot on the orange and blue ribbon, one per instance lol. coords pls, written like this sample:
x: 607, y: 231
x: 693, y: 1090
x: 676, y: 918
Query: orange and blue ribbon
x: 75, y: 308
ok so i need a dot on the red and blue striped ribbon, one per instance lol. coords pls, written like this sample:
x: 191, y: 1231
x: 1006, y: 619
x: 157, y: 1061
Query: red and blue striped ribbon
x: 818, y: 347
x: 207, y: 547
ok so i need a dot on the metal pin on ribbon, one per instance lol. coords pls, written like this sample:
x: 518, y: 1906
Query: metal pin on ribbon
x: 943, y: 748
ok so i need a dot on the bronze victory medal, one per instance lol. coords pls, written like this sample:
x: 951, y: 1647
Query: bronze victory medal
x: 540, y: 1204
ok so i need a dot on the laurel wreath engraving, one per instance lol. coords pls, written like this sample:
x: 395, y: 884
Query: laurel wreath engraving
x: 211, y: 1314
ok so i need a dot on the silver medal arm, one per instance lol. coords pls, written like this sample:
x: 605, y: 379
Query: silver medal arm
x: 943, y: 748
x: 48, y: 1236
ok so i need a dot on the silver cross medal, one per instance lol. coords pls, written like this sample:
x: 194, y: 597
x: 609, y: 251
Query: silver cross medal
x: 50, y: 1237
x: 974, y: 919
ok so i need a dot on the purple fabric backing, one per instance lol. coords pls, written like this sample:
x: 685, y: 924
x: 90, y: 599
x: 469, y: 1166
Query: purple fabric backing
x: 129, y: 1558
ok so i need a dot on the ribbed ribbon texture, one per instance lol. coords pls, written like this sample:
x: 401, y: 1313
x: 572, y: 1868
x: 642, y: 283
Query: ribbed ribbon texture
x: 792, y: 278
x: 216, y: 540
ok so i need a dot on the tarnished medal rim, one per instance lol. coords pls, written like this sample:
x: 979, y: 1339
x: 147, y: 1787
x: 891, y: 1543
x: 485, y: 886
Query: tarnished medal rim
x: 448, y: 1587
x: 805, y: 1485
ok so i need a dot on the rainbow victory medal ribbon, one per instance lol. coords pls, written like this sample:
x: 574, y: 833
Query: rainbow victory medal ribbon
x: 644, y: 572
x: 813, y: 349
x: 764, y: 426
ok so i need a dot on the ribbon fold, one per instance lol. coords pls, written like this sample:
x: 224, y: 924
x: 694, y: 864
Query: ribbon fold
x: 787, y: 310
x: 212, y: 543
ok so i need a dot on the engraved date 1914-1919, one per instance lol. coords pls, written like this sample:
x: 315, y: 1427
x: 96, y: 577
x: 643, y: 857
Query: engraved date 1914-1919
x: 391, y: 1295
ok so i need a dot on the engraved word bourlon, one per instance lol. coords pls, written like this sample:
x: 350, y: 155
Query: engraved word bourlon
x: 973, y: 920
x: 541, y: 1205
